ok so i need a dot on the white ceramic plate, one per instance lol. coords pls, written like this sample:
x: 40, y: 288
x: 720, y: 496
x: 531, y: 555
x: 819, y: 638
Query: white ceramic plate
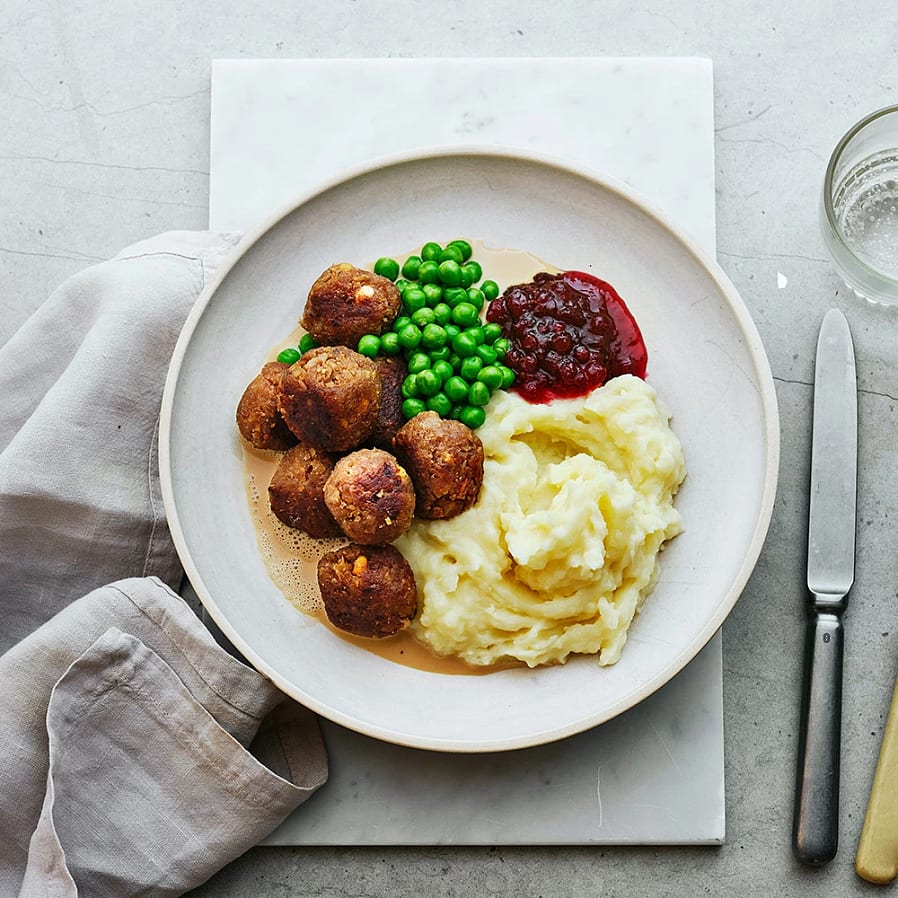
x: 705, y: 360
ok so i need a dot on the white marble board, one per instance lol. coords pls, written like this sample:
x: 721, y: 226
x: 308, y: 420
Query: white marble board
x: 655, y: 774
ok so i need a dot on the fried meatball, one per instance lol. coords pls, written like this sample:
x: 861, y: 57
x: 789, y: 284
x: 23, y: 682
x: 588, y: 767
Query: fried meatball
x: 389, y: 412
x: 370, y: 496
x: 296, y: 491
x: 330, y: 398
x: 368, y: 590
x: 346, y: 303
x: 445, y: 461
x: 258, y: 418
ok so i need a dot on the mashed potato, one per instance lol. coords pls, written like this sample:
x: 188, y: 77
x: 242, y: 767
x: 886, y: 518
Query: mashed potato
x: 560, y: 551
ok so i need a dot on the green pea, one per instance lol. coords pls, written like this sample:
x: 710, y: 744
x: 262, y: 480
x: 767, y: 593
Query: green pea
x: 475, y: 270
x: 440, y: 404
x: 464, y: 344
x: 442, y: 369
x: 490, y: 290
x: 434, y: 336
x: 412, y: 407
x: 410, y: 267
x: 452, y: 254
x: 307, y: 342
x: 464, y: 247
x: 440, y: 355
x: 476, y: 333
x: 491, y: 376
x: 427, y: 382
x: 491, y: 332
x: 456, y: 388
x: 442, y: 313
x: 470, y: 367
x: 472, y: 416
x: 369, y: 345
x: 454, y: 295
x: 386, y: 267
x: 409, y: 336
x: 430, y: 252
x: 465, y: 315
x: 433, y: 292
x: 409, y: 387
x: 507, y: 376
x: 466, y: 279
x: 401, y: 284
x: 501, y: 346
x: 423, y: 317
x: 488, y: 354
x: 389, y: 343
x: 452, y: 330
x: 418, y: 361
x: 414, y: 299
x: 476, y: 297
x: 450, y: 273
x: 429, y: 273
x: 401, y: 322
x: 455, y: 411
x: 478, y: 393
x: 288, y: 356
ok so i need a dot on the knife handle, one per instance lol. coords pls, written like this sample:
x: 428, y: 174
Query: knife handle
x: 815, y: 834
x: 877, y: 851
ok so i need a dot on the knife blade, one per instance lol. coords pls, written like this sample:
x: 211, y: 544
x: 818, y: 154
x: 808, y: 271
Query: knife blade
x: 831, y: 548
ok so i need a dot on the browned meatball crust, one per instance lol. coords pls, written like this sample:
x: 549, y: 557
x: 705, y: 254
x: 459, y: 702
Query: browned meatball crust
x: 370, y: 496
x: 445, y: 461
x: 389, y: 412
x: 368, y: 590
x: 296, y: 491
x: 330, y: 398
x: 258, y: 419
x: 346, y: 303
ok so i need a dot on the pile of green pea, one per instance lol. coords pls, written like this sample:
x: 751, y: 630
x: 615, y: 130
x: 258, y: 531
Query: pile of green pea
x: 454, y: 359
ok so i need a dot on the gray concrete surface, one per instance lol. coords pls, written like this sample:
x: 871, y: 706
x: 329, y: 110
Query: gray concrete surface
x: 105, y: 112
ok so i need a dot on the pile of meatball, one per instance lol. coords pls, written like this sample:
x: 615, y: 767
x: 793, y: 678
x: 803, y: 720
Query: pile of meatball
x: 351, y: 465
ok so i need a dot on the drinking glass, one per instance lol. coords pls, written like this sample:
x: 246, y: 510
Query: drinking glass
x: 859, y: 212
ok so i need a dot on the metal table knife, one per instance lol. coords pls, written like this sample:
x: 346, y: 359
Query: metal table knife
x: 831, y: 536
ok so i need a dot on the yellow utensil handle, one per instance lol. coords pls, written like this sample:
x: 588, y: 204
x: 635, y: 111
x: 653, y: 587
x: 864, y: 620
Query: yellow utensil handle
x: 877, y: 851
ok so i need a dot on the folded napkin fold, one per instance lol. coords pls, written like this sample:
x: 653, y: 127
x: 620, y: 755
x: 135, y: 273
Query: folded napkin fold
x: 137, y: 757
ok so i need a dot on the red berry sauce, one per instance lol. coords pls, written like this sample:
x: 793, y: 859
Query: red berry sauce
x: 568, y: 333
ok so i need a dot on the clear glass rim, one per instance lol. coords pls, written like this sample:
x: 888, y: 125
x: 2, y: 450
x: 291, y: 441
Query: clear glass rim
x: 847, y: 137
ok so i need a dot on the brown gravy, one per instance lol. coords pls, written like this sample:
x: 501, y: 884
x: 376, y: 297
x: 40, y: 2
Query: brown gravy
x: 291, y: 557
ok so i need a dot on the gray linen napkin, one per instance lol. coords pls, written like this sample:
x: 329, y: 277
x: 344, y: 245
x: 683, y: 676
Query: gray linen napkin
x: 136, y: 756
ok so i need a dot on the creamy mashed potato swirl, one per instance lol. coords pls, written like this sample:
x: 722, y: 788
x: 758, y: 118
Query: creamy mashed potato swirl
x: 560, y: 551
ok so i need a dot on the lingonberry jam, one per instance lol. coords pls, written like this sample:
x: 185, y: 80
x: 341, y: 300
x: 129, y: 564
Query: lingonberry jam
x: 568, y: 333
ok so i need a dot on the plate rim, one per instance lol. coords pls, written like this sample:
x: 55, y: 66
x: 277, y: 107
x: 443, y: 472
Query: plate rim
x: 765, y: 386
